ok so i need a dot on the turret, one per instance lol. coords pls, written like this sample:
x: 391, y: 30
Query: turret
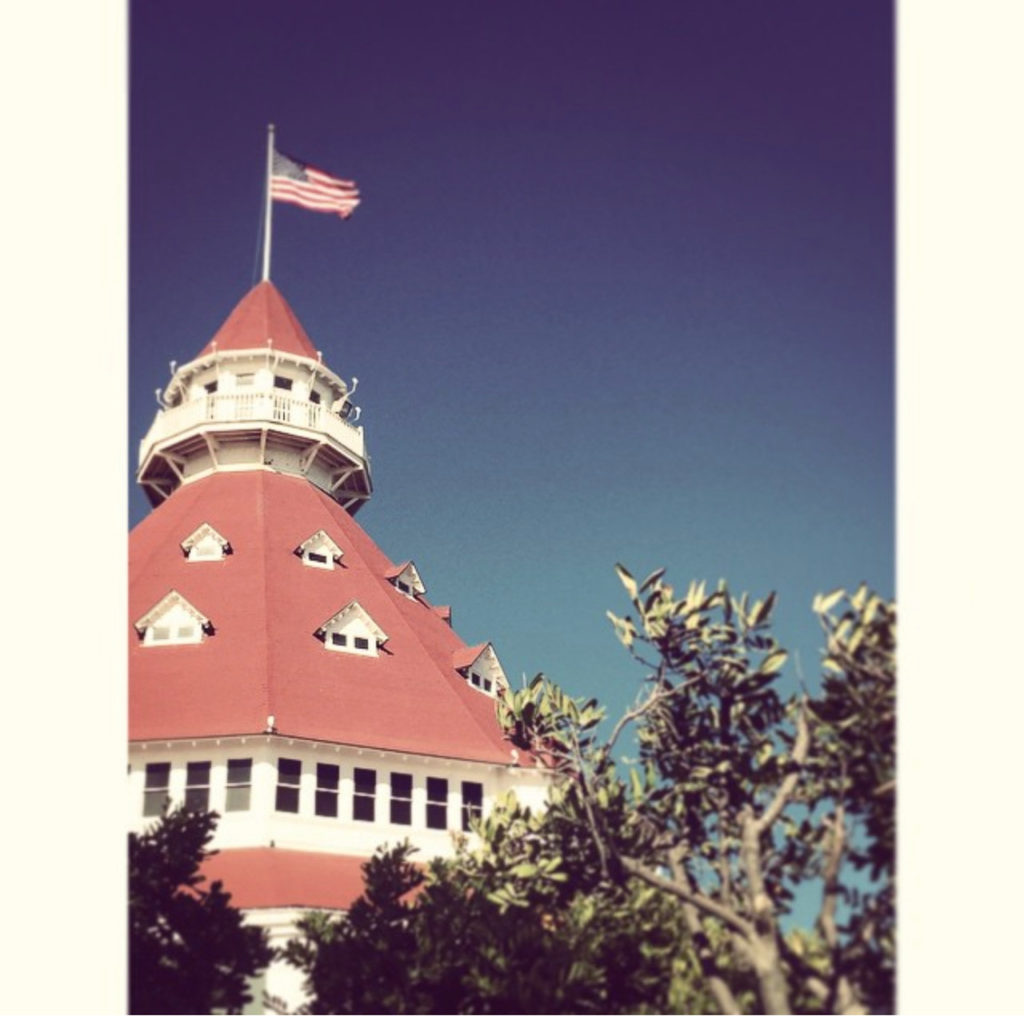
x: 258, y: 396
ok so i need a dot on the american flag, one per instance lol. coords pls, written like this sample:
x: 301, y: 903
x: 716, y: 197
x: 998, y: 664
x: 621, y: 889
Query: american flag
x: 312, y: 188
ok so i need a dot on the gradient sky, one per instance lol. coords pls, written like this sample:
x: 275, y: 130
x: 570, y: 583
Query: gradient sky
x: 620, y: 288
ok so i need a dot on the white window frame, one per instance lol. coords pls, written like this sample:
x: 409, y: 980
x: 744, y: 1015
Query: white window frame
x: 353, y: 624
x: 172, y: 622
x: 237, y: 785
x: 322, y: 545
x: 406, y: 579
x: 205, y: 544
x: 484, y: 674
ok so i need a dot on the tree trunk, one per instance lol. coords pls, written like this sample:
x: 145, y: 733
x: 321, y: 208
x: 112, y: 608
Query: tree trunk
x: 772, y: 986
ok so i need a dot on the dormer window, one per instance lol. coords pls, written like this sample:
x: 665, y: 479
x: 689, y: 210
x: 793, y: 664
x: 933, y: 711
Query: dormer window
x: 483, y: 683
x: 173, y: 621
x: 352, y: 630
x: 481, y: 669
x: 205, y: 544
x: 406, y: 579
x: 319, y: 551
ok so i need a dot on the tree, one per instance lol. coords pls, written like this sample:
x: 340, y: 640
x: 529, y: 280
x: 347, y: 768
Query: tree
x: 188, y: 949
x: 737, y: 799
x: 659, y: 884
x: 437, y: 939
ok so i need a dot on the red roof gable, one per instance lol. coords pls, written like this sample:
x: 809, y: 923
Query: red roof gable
x: 466, y: 656
x: 261, y: 314
x: 268, y: 877
x: 265, y: 606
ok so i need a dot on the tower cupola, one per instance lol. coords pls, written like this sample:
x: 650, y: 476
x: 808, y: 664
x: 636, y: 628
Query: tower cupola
x: 258, y: 396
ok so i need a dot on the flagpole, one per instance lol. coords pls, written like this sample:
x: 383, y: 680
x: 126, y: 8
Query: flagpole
x: 266, y: 212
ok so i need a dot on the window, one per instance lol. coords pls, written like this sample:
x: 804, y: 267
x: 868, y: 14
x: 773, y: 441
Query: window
x: 289, y: 772
x: 437, y: 803
x: 480, y: 667
x: 245, y: 380
x: 365, y: 793
x: 205, y: 544
x: 401, y: 799
x: 284, y: 383
x: 211, y: 387
x: 406, y: 579
x: 182, y: 633
x: 197, y: 786
x: 158, y: 778
x: 319, y: 551
x: 472, y: 803
x: 352, y: 630
x: 484, y: 683
x: 314, y: 397
x: 239, y: 788
x: 173, y: 621
x: 327, y: 789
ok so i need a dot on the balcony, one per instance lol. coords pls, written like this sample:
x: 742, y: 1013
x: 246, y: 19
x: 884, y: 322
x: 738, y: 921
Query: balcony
x: 271, y: 407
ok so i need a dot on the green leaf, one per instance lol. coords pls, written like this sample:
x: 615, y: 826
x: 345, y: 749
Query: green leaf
x: 637, y: 783
x: 773, y: 662
x: 627, y: 580
x: 652, y: 578
x: 824, y: 603
x: 762, y: 610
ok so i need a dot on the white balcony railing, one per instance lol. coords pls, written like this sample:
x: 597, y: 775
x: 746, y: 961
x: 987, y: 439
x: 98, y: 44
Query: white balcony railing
x: 272, y: 407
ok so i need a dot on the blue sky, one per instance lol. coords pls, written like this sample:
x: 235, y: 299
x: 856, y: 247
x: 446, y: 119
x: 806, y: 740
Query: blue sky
x: 620, y: 288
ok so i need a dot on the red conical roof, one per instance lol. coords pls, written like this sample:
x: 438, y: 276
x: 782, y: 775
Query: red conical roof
x: 261, y: 314
x: 265, y: 606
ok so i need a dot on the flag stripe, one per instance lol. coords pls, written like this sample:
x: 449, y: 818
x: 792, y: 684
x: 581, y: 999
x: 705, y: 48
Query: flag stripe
x: 324, y: 193
x: 344, y: 212
x: 308, y: 188
x: 312, y: 201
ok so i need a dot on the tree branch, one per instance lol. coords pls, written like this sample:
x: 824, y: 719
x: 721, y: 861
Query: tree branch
x: 842, y: 998
x: 657, y: 696
x: 788, y: 785
x: 830, y: 890
x: 595, y: 833
x: 699, y: 900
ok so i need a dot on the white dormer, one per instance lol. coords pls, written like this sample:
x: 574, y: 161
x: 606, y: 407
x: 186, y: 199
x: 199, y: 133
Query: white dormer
x: 205, y: 544
x: 173, y: 621
x: 352, y: 630
x: 319, y: 551
x: 406, y: 579
x: 480, y: 667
